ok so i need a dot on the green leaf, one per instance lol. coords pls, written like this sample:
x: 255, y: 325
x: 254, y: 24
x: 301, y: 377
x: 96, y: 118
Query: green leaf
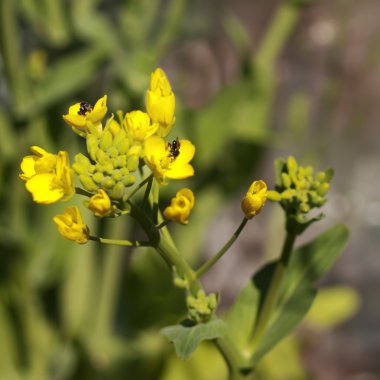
x: 242, y: 316
x: 311, y: 261
x: 286, y: 317
x: 307, y: 264
x: 186, y: 337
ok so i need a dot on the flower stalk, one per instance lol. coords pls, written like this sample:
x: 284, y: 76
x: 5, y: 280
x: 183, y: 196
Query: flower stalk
x: 273, y: 291
x: 208, y: 264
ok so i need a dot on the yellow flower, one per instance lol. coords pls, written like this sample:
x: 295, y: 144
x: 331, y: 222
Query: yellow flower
x: 70, y: 225
x: 138, y: 126
x: 48, y: 177
x: 83, y: 118
x: 180, y: 206
x: 160, y: 102
x: 100, y: 204
x: 163, y: 164
x: 254, y: 200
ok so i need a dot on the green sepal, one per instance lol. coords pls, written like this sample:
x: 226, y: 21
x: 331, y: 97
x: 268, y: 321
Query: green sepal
x: 187, y: 336
x: 297, y: 224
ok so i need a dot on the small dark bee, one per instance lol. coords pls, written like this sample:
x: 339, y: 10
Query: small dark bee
x: 84, y: 108
x: 174, y: 148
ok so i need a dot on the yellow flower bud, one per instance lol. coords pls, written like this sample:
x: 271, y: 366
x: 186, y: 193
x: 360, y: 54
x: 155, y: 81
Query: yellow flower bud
x: 254, y: 200
x: 160, y: 102
x: 70, y: 225
x: 100, y: 204
x: 180, y: 206
x: 138, y: 126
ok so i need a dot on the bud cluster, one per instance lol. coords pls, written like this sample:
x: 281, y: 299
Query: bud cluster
x: 201, y: 307
x: 298, y: 189
x: 113, y: 162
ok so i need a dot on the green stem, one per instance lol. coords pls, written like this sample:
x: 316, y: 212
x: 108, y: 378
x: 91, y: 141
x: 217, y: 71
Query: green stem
x: 147, y: 192
x: 273, y: 291
x: 166, y: 249
x: 282, y: 24
x: 162, y: 224
x: 208, y: 264
x: 81, y: 191
x: 155, y: 197
x: 141, y: 184
x: 110, y: 277
x: 125, y: 243
x: 233, y: 358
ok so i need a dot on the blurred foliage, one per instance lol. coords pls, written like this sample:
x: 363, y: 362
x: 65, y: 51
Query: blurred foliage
x: 76, y: 312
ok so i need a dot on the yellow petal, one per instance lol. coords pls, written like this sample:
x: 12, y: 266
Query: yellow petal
x: 75, y: 120
x: 180, y: 172
x: 38, y: 151
x: 186, y: 153
x: 155, y: 146
x: 40, y: 187
x: 27, y: 167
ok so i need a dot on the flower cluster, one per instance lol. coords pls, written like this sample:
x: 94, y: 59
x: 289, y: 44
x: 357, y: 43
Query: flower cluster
x: 298, y: 189
x: 201, y: 306
x: 117, y: 150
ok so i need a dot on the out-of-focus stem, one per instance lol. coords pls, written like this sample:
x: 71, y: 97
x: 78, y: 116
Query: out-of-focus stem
x: 273, y: 291
x: 207, y: 265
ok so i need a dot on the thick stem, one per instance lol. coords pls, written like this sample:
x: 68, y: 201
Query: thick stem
x: 233, y: 358
x: 208, y: 264
x: 273, y: 291
x: 166, y: 249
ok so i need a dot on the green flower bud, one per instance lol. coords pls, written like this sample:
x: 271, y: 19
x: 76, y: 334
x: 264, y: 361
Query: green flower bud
x: 112, y: 152
x: 92, y: 146
x: 108, y: 183
x: 117, y: 175
x: 129, y: 180
x: 117, y: 191
x: 323, y: 188
x: 124, y: 171
x: 88, y: 183
x: 286, y: 181
x: 101, y: 156
x: 287, y: 194
x: 98, y: 177
x: 292, y: 165
x: 120, y: 161
x: 108, y: 168
x: 320, y: 176
x: 79, y: 168
x: 133, y: 163
x: 106, y: 140
x: 122, y: 143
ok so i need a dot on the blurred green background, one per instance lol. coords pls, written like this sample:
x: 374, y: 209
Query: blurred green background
x: 254, y: 79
